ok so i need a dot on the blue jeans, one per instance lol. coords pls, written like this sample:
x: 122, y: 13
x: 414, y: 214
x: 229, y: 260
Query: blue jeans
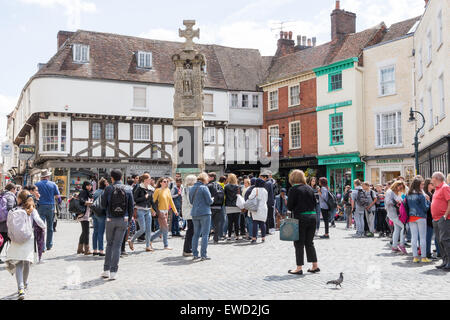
x: 175, y: 223
x: 249, y: 224
x: 99, y: 232
x: 318, y: 216
x: 202, y: 225
x: 145, y: 226
x: 47, y: 215
x: 224, y: 222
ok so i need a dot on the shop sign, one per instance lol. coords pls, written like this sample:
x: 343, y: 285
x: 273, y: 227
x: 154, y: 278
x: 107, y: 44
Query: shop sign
x: 26, y: 152
x: 344, y: 160
x: 276, y: 144
x: 390, y: 161
x: 7, y: 149
x: 298, y: 164
x: 154, y: 170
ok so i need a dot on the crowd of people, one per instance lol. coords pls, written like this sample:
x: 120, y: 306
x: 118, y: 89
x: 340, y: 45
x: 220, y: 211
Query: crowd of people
x: 207, y: 206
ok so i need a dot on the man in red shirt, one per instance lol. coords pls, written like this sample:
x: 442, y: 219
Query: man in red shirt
x: 440, y: 210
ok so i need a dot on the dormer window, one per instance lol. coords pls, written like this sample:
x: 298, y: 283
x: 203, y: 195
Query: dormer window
x: 144, y: 59
x: 80, y: 53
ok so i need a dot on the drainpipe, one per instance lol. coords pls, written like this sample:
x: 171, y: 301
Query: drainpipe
x: 362, y: 117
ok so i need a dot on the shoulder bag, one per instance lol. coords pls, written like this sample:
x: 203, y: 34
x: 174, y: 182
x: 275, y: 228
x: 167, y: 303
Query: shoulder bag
x: 289, y: 230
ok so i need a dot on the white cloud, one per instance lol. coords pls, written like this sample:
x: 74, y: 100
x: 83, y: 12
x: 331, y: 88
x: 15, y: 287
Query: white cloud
x: 7, y: 104
x: 73, y: 9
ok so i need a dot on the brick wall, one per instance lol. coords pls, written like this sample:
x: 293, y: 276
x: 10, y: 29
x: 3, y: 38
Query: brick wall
x: 305, y: 113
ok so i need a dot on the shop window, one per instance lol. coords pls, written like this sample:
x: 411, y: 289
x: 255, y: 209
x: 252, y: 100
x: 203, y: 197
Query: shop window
x: 336, y: 129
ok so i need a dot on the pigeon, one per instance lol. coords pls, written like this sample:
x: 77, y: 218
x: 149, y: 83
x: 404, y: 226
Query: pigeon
x: 338, y: 281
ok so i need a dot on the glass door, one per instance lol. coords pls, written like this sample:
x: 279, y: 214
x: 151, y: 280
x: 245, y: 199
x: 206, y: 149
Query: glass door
x: 339, y: 178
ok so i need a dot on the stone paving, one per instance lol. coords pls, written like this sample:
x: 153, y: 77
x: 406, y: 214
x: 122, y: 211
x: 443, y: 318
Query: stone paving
x: 237, y: 270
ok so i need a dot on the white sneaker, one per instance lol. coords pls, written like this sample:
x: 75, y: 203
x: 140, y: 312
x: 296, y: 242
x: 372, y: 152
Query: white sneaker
x: 113, y: 276
x: 105, y: 274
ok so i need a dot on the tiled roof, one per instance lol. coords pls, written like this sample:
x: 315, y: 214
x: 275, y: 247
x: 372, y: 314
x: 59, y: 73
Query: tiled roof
x: 400, y: 29
x: 322, y: 55
x: 112, y: 57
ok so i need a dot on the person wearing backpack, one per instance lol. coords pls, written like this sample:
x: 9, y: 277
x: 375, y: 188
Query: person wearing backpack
x: 143, y: 196
x: 187, y: 208
x: 259, y: 216
x: 347, y: 202
x: 370, y: 209
x: 218, y: 195
x: 119, y: 204
x: 49, y: 192
x: 20, y: 231
x: 85, y: 198
x: 7, y: 202
x: 360, y: 202
x: 324, y: 195
x: 201, y: 200
x: 99, y: 219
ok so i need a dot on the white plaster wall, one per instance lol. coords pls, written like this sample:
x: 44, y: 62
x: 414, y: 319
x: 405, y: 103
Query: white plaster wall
x: 124, y: 131
x: 80, y: 129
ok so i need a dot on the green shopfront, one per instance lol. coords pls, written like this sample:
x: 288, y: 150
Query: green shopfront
x: 342, y: 170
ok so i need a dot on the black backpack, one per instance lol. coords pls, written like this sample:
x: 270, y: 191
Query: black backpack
x: 219, y: 196
x: 362, y: 199
x: 118, y: 202
x: 332, y: 201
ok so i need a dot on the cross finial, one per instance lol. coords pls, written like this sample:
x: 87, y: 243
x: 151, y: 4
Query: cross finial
x: 189, y: 34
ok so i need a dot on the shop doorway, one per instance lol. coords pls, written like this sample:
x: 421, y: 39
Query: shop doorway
x: 339, y: 178
x: 389, y: 175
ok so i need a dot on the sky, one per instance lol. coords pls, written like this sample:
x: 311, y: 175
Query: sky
x: 28, y: 28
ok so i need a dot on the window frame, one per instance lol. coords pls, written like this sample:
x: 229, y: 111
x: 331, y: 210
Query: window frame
x: 291, y: 124
x: 113, y: 131
x: 81, y: 47
x: 141, y: 131
x: 100, y: 130
x: 291, y: 104
x: 441, y: 96
x: 212, y: 103
x: 330, y: 124
x: 420, y: 63
x: 59, y: 122
x: 440, y: 30
x: 380, y: 128
x: 429, y: 47
x: 381, y: 83
x: 430, y: 108
x: 269, y: 128
x: 234, y: 106
x: 274, y: 92
x: 330, y: 82
x: 255, y: 97
x: 145, y: 54
x: 134, y: 98
x: 242, y: 101
x: 214, y: 135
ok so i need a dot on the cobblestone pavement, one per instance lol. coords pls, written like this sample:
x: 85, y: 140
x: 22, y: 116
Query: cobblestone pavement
x: 237, y: 270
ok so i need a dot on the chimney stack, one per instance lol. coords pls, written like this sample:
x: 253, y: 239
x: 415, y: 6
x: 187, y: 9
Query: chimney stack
x: 314, y: 40
x: 342, y: 22
x: 285, y: 44
x: 62, y: 37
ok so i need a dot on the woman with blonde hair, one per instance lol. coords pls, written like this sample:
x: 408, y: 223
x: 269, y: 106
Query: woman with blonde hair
x: 21, y: 254
x: 232, y: 189
x: 186, y: 209
x: 163, y: 200
x: 393, y: 198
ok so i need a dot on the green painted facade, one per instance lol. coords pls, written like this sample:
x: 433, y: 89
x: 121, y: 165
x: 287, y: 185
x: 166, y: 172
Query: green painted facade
x: 336, y: 67
x: 335, y: 105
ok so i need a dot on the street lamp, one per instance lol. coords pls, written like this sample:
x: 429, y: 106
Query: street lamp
x: 416, y: 139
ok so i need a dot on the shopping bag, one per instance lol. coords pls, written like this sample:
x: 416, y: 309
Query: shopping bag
x: 289, y: 230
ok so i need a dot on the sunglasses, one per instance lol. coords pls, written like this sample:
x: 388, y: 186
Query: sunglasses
x: 165, y: 181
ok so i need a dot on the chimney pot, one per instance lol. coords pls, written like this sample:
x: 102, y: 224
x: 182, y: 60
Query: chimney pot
x: 304, y: 41
x: 314, y: 41
x: 285, y: 34
x: 290, y: 35
x: 281, y: 34
x: 299, y: 40
x: 309, y: 42
x: 338, y: 5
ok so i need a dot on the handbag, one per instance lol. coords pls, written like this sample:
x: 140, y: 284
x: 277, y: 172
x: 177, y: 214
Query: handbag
x: 252, y: 204
x: 289, y: 230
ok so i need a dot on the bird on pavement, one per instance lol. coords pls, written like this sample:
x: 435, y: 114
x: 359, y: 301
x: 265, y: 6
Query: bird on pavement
x: 338, y: 281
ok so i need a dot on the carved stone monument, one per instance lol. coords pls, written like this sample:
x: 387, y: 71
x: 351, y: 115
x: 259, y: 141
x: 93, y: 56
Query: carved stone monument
x: 188, y: 120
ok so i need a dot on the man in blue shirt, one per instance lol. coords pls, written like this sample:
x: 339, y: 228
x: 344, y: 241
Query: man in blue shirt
x: 48, y: 191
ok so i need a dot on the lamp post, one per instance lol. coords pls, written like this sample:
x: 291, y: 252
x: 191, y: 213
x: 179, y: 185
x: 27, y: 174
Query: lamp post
x: 416, y: 139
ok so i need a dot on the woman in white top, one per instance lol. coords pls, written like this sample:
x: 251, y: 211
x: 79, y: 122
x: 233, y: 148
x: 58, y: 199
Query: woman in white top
x: 392, y: 200
x: 186, y: 208
x: 260, y: 216
x: 21, y: 255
